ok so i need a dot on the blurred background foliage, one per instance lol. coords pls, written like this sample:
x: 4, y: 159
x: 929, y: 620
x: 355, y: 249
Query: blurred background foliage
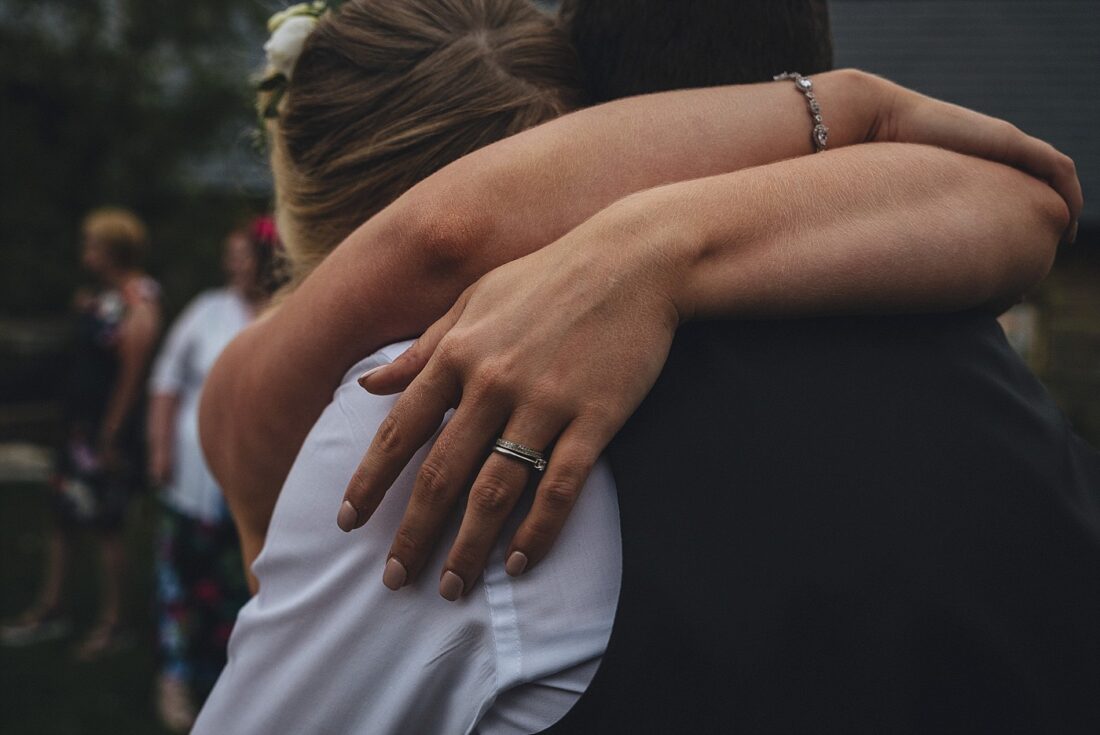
x: 141, y: 103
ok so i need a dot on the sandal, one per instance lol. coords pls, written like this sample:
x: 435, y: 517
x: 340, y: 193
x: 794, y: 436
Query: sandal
x: 103, y: 640
x: 35, y: 627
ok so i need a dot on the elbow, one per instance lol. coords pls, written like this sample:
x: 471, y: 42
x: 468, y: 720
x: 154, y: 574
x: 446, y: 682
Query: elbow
x: 445, y: 226
x: 1035, y: 252
x: 1053, y: 217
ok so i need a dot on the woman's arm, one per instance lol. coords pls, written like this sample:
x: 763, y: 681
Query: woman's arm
x: 137, y: 337
x: 561, y: 346
x: 501, y: 203
x: 161, y: 432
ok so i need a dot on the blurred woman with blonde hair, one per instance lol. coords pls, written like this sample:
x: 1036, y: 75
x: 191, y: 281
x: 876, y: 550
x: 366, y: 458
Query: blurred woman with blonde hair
x: 101, y: 463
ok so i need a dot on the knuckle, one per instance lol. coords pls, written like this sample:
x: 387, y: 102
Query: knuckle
x: 496, y: 372
x: 489, y: 373
x: 449, y: 352
x: 558, y: 495
x: 388, y: 438
x: 407, y: 546
x: 433, y: 483
x: 479, y: 391
x: 491, y: 496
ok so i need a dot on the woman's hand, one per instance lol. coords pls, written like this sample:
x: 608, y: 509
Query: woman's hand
x: 553, y: 351
x: 910, y: 117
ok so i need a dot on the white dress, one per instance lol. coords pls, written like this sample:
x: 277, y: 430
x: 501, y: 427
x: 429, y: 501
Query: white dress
x: 199, y: 335
x: 326, y: 648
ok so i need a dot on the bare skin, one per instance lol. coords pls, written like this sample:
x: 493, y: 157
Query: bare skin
x: 514, y: 197
x: 612, y: 292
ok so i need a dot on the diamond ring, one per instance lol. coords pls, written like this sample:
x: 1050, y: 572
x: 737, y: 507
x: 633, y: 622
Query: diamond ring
x: 523, y: 453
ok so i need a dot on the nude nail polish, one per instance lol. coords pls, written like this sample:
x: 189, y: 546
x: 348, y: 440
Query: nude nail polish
x: 517, y: 562
x: 348, y: 517
x: 367, y: 374
x: 451, y: 586
x: 395, y: 575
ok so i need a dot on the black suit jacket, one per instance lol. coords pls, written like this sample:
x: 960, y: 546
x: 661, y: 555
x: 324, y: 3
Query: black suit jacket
x: 852, y: 525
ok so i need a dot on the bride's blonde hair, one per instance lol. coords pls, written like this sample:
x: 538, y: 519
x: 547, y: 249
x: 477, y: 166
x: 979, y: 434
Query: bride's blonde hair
x: 385, y: 93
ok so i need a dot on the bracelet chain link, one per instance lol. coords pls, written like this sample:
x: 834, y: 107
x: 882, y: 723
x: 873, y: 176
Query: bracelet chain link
x: 820, y: 134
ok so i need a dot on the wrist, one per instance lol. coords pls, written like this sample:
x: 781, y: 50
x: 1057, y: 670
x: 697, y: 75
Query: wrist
x: 857, y: 105
x: 654, y: 241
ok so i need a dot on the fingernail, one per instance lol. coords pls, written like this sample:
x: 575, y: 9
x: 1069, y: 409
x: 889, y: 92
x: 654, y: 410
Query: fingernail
x: 516, y: 563
x: 395, y: 574
x: 362, y: 378
x: 450, y: 586
x: 348, y: 517
x: 1072, y: 237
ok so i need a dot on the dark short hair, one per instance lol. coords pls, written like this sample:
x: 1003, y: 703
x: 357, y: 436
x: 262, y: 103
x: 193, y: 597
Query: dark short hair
x: 630, y: 47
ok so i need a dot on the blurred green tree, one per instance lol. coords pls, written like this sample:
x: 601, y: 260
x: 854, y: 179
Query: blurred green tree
x: 140, y: 103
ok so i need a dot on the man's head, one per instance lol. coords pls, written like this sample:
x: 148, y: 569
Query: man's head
x: 630, y: 47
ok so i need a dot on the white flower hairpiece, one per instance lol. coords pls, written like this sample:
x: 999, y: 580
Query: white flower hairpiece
x: 285, y: 45
x: 289, y: 29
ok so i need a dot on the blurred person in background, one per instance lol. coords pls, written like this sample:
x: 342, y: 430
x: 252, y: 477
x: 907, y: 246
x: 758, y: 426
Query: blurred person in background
x: 200, y: 581
x: 101, y: 462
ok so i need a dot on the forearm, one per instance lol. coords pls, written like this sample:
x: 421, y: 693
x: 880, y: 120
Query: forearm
x: 137, y: 336
x: 514, y: 197
x: 487, y: 209
x: 123, y: 398
x: 161, y: 422
x: 878, y: 228
x: 529, y: 190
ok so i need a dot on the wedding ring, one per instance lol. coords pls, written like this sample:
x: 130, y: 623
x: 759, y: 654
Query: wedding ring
x: 514, y: 450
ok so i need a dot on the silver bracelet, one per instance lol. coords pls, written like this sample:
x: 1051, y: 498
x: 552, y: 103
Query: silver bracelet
x: 820, y: 134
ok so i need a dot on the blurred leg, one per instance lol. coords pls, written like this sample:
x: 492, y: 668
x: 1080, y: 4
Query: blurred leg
x: 113, y: 555
x: 55, y: 567
x: 175, y: 624
x: 43, y: 621
x: 218, y: 593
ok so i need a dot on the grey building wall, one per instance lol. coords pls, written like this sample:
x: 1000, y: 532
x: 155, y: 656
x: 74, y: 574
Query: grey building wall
x: 1032, y: 62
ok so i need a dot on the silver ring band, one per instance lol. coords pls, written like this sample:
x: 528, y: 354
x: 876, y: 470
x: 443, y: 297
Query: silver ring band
x: 523, y: 453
